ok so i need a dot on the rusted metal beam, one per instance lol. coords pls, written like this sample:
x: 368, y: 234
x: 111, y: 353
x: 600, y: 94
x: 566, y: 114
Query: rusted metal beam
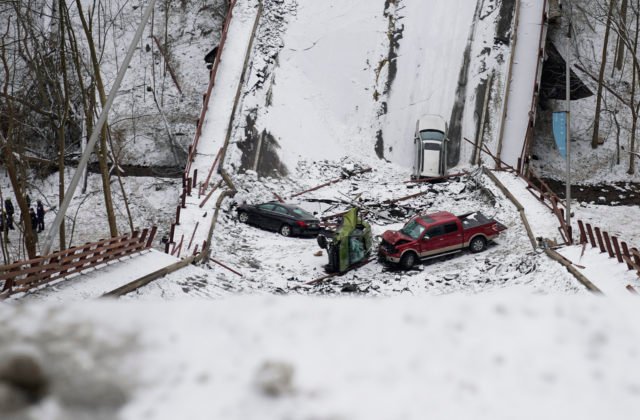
x: 205, y: 184
x: 210, y: 193
x: 277, y: 197
x: 225, y: 266
x: 193, y: 234
x: 333, y: 181
x: 436, y: 178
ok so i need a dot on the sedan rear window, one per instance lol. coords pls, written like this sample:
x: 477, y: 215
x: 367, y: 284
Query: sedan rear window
x: 281, y: 210
x: 301, y: 213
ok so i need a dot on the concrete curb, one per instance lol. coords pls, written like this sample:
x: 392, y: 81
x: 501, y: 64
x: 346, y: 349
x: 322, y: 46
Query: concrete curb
x: 143, y: 281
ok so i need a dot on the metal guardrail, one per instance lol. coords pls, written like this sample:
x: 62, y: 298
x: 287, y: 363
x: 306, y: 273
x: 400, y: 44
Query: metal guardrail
x: 536, y: 87
x: 190, y: 182
x: 23, y: 276
x: 610, y: 244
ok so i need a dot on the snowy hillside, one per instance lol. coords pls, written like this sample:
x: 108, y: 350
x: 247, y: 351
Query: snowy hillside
x: 352, y: 78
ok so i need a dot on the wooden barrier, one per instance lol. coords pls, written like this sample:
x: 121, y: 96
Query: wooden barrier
x: 616, y: 247
x: 583, y: 234
x: 611, y: 245
x: 22, y: 276
x: 599, y: 236
x: 607, y: 243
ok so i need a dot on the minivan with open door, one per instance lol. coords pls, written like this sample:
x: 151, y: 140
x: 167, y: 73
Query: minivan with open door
x: 430, y: 146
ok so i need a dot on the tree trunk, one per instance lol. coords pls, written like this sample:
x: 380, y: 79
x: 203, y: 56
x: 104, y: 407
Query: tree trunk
x: 603, y: 64
x: 621, y: 46
x: 9, y: 160
x: 102, y: 152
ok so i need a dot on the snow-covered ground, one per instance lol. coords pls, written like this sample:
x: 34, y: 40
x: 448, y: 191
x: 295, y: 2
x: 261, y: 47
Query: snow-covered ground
x: 499, y: 357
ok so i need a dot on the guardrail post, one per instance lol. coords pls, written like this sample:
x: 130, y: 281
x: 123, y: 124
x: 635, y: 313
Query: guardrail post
x: 607, y: 242
x: 625, y: 251
x: 152, y: 235
x: 183, y: 199
x: 189, y: 187
x: 616, y: 246
x: 599, y: 236
x: 583, y: 234
x: 195, y: 178
x: 591, y: 239
x: 636, y: 256
x: 178, y: 215
x: 145, y: 232
x: 171, y: 232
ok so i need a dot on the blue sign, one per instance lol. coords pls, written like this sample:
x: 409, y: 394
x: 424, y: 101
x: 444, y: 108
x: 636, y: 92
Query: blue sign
x: 560, y: 132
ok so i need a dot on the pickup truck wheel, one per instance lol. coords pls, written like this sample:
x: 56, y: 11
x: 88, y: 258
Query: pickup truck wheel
x: 408, y: 260
x: 285, y: 230
x: 243, y: 217
x: 478, y: 244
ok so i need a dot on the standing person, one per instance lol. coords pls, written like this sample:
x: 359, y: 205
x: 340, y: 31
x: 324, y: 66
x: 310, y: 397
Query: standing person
x: 8, y: 206
x: 33, y: 218
x: 40, y: 215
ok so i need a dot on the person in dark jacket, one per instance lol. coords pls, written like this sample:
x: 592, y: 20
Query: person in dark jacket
x: 33, y: 218
x: 8, y: 206
x: 40, y: 215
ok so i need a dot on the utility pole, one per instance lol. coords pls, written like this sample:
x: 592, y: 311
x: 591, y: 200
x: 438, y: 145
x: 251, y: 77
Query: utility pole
x: 568, y: 110
x: 46, y: 248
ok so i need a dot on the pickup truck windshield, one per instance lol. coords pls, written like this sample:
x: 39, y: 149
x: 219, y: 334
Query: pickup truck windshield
x: 413, y: 229
x: 432, y: 135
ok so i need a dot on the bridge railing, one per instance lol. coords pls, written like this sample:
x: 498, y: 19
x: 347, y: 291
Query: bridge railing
x: 22, y: 276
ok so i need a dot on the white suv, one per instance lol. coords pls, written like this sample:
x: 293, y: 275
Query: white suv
x: 430, y: 147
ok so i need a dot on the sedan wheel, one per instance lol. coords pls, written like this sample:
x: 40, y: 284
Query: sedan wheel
x: 285, y: 230
x: 243, y: 217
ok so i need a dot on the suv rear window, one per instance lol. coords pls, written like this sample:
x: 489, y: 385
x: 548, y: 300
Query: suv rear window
x: 431, y: 135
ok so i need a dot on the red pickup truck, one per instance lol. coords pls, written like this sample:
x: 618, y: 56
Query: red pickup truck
x: 431, y: 235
